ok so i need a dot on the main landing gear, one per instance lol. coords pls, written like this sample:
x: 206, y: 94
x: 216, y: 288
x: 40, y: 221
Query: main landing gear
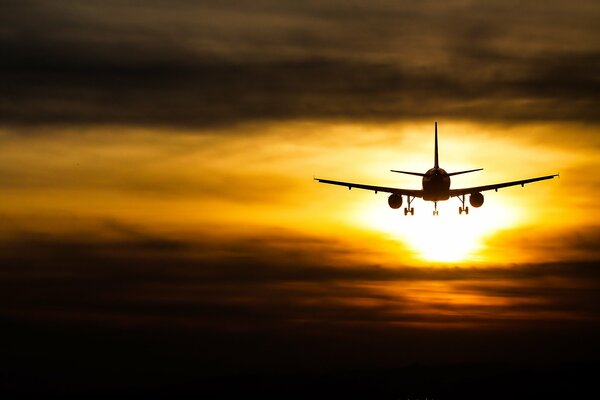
x: 435, y: 211
x: 463, y: 208
x: 409, y: 210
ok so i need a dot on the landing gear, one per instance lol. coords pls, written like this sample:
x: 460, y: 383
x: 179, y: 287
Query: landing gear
x: 463, y: 208
x: 435, y: 211
x: 409, y: 210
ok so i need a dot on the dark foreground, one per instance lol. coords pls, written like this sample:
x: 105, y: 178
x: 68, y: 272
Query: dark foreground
x: 462, y: 381
x: 51, y: 362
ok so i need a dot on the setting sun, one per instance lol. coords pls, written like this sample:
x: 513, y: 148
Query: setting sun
x: 448, y: 237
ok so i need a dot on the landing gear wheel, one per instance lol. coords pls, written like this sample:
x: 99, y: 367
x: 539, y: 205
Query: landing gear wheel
x: 409, y: 210
x: 467, y: 210
x: 460, y: 210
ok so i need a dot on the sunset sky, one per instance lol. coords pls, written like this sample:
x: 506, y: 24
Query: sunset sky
x: 158, y: 206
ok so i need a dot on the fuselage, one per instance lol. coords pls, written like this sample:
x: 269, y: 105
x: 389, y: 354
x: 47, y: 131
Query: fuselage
x: 436, y: 185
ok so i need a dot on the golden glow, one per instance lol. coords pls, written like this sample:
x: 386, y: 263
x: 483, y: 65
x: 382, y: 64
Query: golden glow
x: 448, y: 237
x: 258, y: 178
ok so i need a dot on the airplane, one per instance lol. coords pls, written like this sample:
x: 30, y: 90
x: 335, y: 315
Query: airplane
x: 435, y: 187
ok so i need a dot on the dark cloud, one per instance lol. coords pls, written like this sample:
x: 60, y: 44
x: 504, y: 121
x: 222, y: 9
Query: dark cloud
x: 229, y: 284
x: 553, y: 87
x: 204, y: 64
x: 145, y: 310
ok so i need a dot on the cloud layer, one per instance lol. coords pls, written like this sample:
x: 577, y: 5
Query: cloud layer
x: 187, y: 64
x: 264, y: 281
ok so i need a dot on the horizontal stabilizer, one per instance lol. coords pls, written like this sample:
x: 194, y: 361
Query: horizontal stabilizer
x: 464, y: 172
x: 408, y: 173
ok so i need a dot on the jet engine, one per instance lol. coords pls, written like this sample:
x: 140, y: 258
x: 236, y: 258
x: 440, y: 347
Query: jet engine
x: 395, y: 201
x: 476, y: 199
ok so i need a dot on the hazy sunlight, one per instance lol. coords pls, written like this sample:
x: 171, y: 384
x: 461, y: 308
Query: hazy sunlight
x: 449, y: 237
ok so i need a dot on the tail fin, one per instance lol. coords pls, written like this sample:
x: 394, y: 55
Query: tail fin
x: 436, y: 163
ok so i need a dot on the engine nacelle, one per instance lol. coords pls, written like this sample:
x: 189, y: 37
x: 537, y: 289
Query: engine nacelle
x: 395, y: 201
x: 476, y: 199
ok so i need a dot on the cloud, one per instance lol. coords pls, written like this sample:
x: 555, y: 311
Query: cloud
x: 159, y: 65
x: 565, y: 243
x: 554, y: 87
x: 175, y: 308
x: 283, y: 278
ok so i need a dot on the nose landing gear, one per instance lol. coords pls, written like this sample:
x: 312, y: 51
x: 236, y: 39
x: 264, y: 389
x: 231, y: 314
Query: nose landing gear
x: 435, y: 211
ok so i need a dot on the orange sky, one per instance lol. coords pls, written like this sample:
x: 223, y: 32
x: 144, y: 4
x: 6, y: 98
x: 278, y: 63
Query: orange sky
x: 246, y: 196
x: 259, y: 178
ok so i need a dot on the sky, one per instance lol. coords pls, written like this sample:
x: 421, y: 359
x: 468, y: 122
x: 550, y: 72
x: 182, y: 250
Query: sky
x: 156, y: 173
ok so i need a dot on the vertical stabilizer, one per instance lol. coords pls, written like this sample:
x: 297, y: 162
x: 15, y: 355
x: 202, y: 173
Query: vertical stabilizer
x: 435, y: 162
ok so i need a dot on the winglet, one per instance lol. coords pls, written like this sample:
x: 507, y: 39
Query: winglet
x: 436, y: 163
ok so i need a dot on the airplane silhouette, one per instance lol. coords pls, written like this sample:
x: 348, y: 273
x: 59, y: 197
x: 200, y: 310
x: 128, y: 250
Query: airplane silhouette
x: 436, y: 187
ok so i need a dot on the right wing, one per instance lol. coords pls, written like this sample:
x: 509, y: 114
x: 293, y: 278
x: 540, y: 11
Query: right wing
x: 462, y: 192
x: 349, y: 185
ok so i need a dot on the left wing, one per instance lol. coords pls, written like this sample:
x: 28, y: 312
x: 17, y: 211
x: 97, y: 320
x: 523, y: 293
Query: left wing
x: 349, y: 185
x: 461, y: 192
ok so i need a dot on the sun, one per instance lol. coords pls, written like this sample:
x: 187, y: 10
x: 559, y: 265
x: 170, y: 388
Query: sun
x: 448, y: 237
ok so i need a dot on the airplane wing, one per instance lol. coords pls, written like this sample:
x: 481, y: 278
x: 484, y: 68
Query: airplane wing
x: 349, y: 185
x: 461, y: 192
